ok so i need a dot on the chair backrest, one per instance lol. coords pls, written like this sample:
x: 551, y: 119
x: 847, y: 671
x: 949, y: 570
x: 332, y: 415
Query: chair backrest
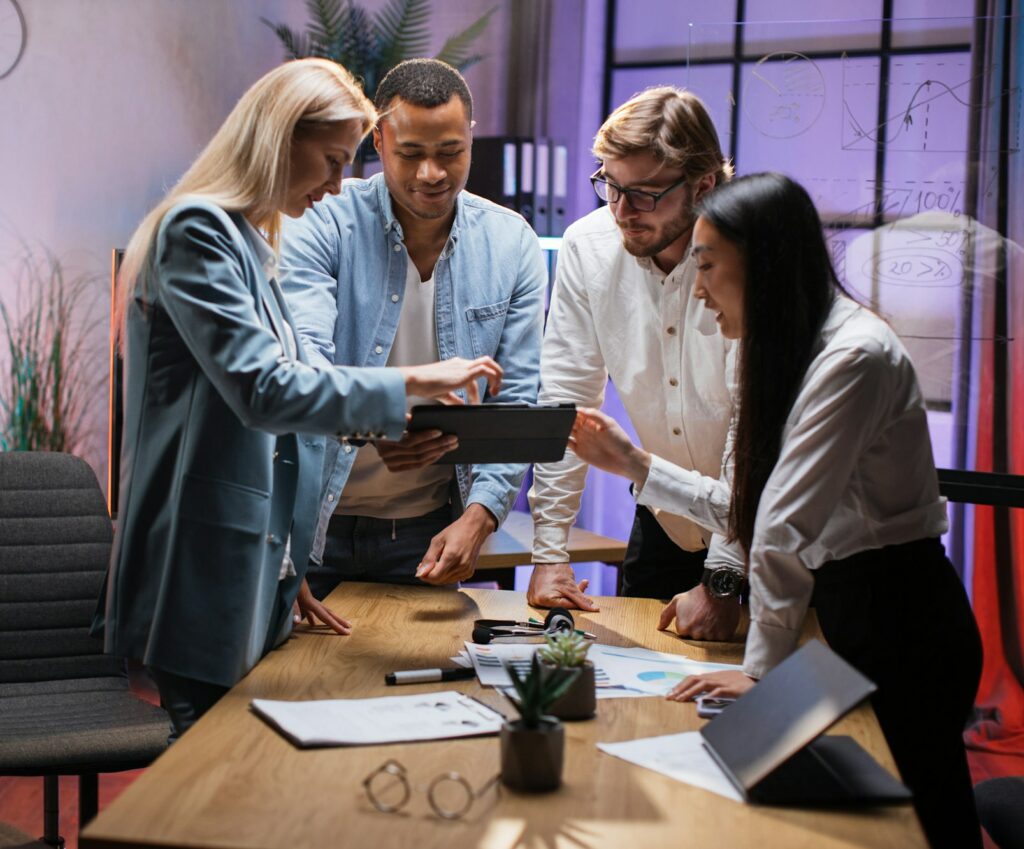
x: 55, y: 539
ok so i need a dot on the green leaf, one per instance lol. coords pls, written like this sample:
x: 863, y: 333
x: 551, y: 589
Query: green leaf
x: 296, y: 45
x: 403, y: 32
x: 330, y: 18
x: 455, y: 50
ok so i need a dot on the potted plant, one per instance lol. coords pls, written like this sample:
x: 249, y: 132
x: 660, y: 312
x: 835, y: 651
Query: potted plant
x: 533, y: 746
x: 568, y: 650
x: 369, y: 45
x: 47, y: 380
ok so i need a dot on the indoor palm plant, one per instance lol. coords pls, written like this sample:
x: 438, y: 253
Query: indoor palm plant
x: 47, y: 380
x: 369, y: 46
x: 568, y: 650
x: 533, y: 746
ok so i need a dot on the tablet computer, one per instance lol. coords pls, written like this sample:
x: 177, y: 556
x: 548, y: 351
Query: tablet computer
x: 499, y: 433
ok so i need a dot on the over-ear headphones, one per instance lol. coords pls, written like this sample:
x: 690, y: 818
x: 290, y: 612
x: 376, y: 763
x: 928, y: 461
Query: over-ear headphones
x: 510, y: 631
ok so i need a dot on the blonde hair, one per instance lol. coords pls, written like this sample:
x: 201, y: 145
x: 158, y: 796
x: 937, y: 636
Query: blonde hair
x: 245, y: 166
x: 671, y: 123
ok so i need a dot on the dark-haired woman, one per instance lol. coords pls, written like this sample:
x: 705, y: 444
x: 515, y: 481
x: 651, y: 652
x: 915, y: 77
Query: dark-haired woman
x: 829, y: 493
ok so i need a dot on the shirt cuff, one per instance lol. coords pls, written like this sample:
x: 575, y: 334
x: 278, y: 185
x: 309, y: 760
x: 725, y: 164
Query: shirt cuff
x: 767, y: 646
x: 550, y: 543
x: 667, y: 486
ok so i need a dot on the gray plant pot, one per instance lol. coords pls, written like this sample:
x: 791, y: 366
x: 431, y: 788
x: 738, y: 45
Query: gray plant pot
x: 580, y: 700
x: 531, y: 758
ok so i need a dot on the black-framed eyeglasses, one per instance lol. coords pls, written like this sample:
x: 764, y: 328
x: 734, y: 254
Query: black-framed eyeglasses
x: 637, y: 199
x: 449, y: 794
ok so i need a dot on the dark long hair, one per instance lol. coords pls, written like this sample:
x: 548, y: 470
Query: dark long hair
x: 790, y: 286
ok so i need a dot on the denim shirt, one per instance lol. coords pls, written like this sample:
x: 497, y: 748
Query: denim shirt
x: 343, y: 267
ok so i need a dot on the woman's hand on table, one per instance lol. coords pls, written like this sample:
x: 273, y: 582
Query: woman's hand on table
x: 599, y: 440
x: 728, y: 684
x: 307, y: 607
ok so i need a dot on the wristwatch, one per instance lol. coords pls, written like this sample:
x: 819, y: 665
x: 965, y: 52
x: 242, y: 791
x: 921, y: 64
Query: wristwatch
x: 723, y: 581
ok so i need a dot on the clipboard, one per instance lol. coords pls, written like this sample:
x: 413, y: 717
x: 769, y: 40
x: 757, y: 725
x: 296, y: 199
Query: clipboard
x: 499, y: 433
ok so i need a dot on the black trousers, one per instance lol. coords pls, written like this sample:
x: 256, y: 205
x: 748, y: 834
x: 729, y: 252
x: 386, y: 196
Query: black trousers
x: 654, y: 566
x: 900, y: 615
x: 184, y: 699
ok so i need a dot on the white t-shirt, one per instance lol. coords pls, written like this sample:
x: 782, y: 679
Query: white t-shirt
x: 371, y: 490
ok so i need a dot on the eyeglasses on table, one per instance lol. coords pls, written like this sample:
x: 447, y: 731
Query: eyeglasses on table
x: 450, y: 794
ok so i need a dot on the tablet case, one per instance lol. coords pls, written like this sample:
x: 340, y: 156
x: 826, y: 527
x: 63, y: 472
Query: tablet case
x: 768, y: 742
x: 499, y: 433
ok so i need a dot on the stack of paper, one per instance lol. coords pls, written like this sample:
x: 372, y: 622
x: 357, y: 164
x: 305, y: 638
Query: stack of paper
x: 619, y: 672
x: 390, y: 719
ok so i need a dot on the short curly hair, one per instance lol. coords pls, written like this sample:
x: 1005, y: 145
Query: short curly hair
x: 423, y: 82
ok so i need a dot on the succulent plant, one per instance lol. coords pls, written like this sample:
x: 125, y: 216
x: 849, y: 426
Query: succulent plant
x: 540, y: 689
x: 567, y: 648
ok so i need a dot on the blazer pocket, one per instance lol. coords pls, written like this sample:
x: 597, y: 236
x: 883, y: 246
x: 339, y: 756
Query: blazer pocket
x: 485, y: 326
x: 224, y: 504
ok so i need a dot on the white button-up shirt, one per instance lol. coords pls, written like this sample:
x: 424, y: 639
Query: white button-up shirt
x: 855, y: 472
x: 614, y: 315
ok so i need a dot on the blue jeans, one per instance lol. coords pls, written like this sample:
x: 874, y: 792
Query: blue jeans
x: 360, y: 548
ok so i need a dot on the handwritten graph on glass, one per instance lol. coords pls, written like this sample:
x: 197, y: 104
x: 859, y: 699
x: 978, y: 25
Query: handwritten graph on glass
x: 928, y: 99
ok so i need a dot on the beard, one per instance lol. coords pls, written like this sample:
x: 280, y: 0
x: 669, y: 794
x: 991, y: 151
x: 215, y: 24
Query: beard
x: 669, y: 233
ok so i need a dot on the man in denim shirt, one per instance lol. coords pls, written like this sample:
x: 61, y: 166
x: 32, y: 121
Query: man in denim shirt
x: 406, y: 268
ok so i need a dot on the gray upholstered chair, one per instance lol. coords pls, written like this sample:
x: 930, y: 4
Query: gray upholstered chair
x: 12, y: 838
x: 65, y: 707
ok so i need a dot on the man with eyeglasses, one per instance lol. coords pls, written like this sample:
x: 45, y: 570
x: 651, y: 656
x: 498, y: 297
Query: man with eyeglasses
x: 623, y: 308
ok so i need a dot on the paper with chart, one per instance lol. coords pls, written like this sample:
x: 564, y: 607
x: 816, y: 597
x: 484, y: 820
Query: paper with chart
x: 650, y: 671
x: 619, y: 672
x: 488, y: 659
x: 390, y: 719
x: 679, y: 756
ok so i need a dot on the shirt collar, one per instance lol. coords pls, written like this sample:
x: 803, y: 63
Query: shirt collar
x: 391, y: 223
x: 264, y: 253
x: 647, y: 263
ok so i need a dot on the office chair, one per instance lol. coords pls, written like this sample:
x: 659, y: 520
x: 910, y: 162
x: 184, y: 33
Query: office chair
x: 1001, y: 810
x: 65, y: 707
x: 12, y: 838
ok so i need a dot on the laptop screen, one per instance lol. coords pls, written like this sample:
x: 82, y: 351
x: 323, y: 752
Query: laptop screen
x: 794, y: 703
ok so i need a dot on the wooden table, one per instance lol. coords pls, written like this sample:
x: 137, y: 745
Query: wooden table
x: 234, y: 782
x: 512, y: 545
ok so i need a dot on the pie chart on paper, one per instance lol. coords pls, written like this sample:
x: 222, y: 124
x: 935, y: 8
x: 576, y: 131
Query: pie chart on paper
x: 662, y: 675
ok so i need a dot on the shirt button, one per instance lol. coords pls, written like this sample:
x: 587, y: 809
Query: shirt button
x: 397, y: 247
x: 671, y: 331
x: 348, y: 449
x: 277, y: 454
x: 673, y: 382
x: 270, y: 539
x: 394, y: 299
x: 676, y: 431
x: 379, y: 349
x: 330, y: 497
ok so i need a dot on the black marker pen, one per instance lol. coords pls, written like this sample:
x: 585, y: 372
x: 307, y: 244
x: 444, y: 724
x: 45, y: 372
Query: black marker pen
x: 425, y: 676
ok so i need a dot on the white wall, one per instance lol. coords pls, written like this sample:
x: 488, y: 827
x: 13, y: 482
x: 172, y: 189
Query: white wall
x: 113, y: 98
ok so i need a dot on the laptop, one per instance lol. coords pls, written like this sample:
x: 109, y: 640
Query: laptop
x: 769, y: 743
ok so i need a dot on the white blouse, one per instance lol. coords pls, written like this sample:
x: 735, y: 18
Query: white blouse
x: 855, y: 472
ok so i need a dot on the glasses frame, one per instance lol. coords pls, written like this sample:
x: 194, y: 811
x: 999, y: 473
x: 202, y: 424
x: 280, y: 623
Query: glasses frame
x: 597, y: 179
x: 397, y: 770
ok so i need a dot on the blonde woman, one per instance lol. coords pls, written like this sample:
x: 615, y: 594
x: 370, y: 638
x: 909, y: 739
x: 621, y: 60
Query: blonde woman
x: 221, y: 460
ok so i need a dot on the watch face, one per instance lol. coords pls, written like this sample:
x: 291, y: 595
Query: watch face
x: 725, y: 582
